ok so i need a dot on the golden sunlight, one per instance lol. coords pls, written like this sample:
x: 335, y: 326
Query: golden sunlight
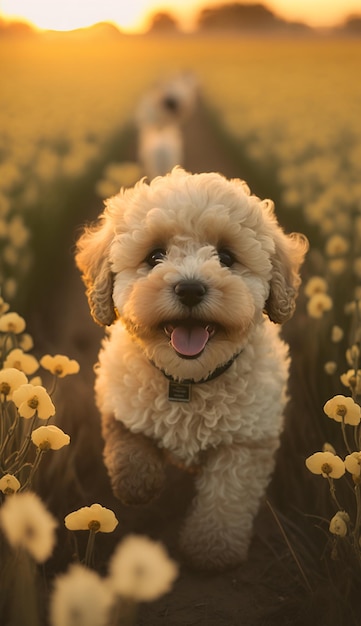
x: 68, y: 15
x: 133, y: 15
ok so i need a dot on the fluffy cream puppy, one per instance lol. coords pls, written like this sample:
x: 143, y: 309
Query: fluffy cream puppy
x: 193, y: 275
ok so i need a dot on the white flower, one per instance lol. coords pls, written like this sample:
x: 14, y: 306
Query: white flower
x: 27, y: 524
x: 94, y: 517
x: 49, y: 438
x: 9, y: 484
x: 21, y: 361
x: 32, y: 398
x: 12, y: 323
x: 80, y: 598
x: 10, y: 380
x: 59, y: 365
x: 141, y: 569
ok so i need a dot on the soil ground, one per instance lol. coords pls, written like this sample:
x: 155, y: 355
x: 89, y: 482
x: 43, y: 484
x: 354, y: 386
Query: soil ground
x: 269, y: 588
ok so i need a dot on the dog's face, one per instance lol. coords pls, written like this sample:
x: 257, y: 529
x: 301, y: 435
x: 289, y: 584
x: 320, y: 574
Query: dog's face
x: 190, y: 262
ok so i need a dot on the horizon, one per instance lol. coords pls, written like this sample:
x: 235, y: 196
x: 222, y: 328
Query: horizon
x: 138, y: 18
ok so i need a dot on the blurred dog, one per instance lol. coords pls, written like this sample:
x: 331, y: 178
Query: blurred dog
x: 160, y: 117
x: 190, y: 272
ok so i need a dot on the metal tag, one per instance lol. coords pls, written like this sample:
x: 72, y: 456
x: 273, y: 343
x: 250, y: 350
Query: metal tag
x: 179, y: 392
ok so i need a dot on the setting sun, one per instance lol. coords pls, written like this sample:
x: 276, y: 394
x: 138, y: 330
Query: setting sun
x: 133, y: 16
x: 70, y: 15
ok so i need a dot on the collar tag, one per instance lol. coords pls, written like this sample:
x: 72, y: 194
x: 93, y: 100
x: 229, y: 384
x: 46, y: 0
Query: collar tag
x: 179, y: 392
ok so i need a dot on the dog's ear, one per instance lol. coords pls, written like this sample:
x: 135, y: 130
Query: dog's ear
x: 92, y: 259
x: 289, y: 254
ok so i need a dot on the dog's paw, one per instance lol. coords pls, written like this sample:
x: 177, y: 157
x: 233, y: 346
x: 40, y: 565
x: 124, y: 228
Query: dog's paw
x: 135, y: 464
x: 211, y: 548
x: 139, y: 480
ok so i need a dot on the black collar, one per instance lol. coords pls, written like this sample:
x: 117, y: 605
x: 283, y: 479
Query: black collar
x: 190, y: 381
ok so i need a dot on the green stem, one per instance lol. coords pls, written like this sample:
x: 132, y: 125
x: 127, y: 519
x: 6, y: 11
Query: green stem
x: 333, y: 493
x: 35, y: 466
x: 8, y: 337
x: 53, y: 386
x: 357, y: 436
x: 89, y: 549
x: 26, y: 443
x: 10, y: 433
x: 343, y: 428
x: 293, y: 553
x: 357, y: 529
x: 124, y: 612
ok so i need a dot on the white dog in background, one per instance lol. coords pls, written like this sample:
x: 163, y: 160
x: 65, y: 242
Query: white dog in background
x: 160, y: 117
x: 188, y: 272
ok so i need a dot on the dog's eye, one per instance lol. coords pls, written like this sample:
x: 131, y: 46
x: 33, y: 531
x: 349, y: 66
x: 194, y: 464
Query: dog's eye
x: 156, y: 256
x: 226, y: 258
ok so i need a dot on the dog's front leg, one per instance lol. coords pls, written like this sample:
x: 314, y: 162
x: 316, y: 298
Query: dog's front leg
x: 230, y: 487
x: 135, y: 464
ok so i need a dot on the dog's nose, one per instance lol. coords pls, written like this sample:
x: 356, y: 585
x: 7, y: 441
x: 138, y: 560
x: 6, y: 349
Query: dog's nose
x: 190, y: 292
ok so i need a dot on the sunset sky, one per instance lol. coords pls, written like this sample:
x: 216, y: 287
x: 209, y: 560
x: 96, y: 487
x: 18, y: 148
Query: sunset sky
x: 132, y: 15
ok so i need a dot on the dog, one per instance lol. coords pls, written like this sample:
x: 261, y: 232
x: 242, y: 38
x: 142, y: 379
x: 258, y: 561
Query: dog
x: 160, y: 149
x: 160, y: 118
x: 192, y: 276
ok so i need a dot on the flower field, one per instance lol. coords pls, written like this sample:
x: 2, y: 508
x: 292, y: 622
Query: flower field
x: 289, y: 114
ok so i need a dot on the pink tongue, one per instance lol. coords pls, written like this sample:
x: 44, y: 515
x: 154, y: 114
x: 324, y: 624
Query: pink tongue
x: 189, y: 340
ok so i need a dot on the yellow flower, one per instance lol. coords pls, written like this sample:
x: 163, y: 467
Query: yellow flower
x: 59, y: 365
x: 357, y: 267
x: 10, y: 380
x: 80, y: 597
x: 352, y: 355
x: 330, y: 367
x: 326, y: 463
x: 352, y: 380
x: 32, y: 398
x: 4, y: 306
x: 26, y: 342
x: 21, y: 361
x: 337, y: 245
x: 94, y: 517
x: 314, y: 285
x: 353, y: 463
x: 341, y: 408
x: 141, y: 569
x: 337, y: 266
x: 12, y: 323
x: 338, y: 524
x: 336, y: 334
x: 49, y: 438
x: 328, y: 447
x: 9, y: 484
x: 318, y: 304
x: 27, y: 524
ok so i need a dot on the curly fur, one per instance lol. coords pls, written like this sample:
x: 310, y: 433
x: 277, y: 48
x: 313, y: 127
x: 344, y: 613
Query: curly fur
x: 230, y: 428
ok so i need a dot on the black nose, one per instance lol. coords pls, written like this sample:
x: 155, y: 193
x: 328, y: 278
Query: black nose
x: 190, y: 292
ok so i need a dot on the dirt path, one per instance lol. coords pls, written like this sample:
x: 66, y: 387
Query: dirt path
x: 266, y: 590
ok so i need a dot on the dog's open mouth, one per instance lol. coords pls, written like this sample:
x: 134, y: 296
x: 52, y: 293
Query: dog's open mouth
x: 189, y: 339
